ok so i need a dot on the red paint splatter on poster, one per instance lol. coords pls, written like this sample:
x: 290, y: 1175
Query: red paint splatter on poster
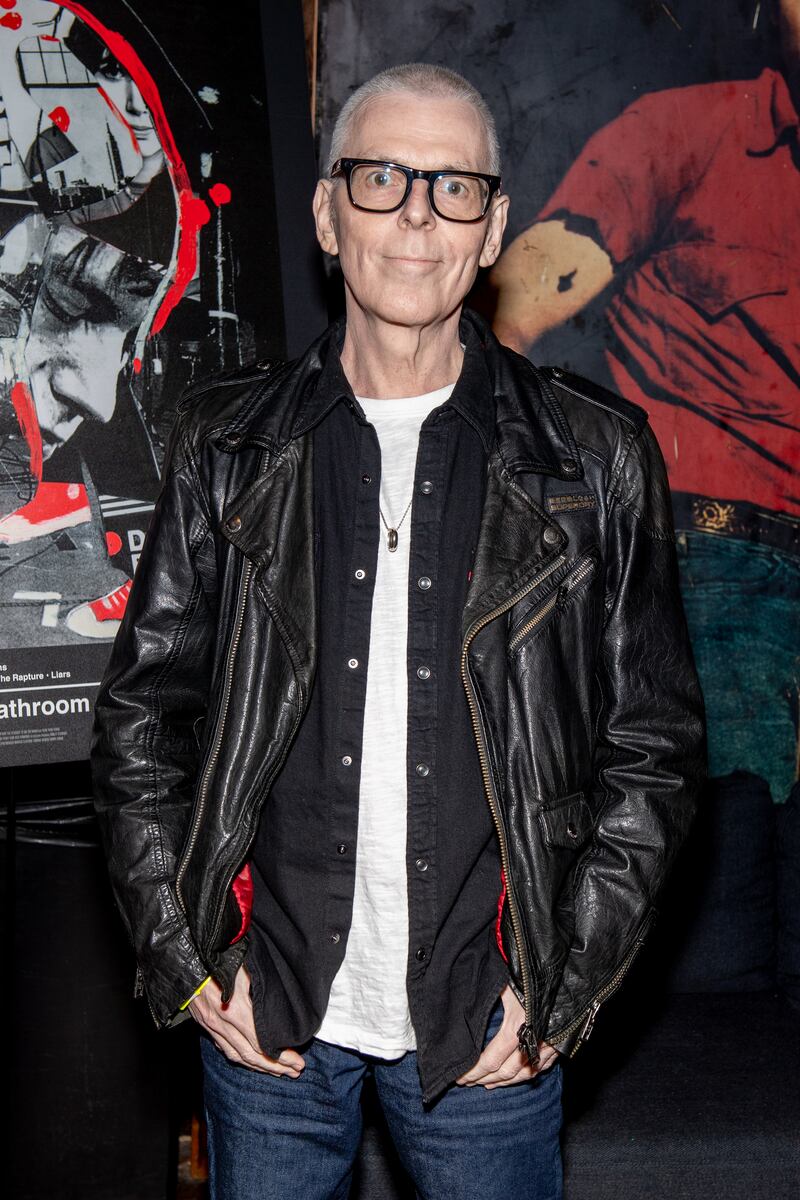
x: 25, y: 409
x: 60, y: 117
x: 11, y: 20
x: 137, y: 365
x: 220, y: 193
x: 192, y: 212
x: 120, y: 117
x: 113, y: 542
x: 8, y: 3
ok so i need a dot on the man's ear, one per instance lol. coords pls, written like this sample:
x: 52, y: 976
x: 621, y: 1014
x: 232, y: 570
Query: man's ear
x: 324, y: 217
x: 495, y: 227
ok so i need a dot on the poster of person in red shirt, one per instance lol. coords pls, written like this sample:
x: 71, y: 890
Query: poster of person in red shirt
x: 130, y: 264
x: 680, y: 219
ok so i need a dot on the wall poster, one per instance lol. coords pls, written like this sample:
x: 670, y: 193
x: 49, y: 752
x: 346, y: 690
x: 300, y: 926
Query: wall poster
x: 137, y: 254
x: 651, y: 152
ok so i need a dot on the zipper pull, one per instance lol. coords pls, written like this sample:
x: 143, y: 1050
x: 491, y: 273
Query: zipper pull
x: 588, y: 1024
x: 528, y: 1043
x: 138, y: 984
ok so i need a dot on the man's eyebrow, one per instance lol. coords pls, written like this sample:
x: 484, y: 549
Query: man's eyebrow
x: 450, y: 166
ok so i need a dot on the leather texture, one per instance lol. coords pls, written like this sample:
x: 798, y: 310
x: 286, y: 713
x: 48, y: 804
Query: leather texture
x: 587, y: 709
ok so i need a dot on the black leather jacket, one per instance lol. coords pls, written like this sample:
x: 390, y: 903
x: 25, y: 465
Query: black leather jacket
x: 576, y: 663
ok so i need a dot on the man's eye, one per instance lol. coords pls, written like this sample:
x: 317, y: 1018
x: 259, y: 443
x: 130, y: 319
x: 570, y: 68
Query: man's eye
x: 379, y: 178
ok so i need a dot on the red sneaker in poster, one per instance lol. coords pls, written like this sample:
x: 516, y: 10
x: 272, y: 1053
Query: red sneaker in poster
x: 55, y: 506
x: 100, y: 618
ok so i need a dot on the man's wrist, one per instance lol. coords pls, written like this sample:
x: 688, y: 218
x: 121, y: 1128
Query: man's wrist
x: 196, y: 992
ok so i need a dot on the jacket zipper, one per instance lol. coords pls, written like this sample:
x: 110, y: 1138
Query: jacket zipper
x: 198, y: 813
x: 301, y: 705
x: 586, y: 1020
x: 525, y: 1033
x: 579, y: 573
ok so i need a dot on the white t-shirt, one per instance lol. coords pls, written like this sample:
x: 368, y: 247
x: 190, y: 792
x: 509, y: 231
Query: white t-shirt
x: 368, y: 1006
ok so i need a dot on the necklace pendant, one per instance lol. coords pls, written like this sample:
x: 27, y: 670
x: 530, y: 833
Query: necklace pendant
x: 392, y: 537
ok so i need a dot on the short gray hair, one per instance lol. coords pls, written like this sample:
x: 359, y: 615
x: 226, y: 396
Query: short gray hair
x: 418, y: 79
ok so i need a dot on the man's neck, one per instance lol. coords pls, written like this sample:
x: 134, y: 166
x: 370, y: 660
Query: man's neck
x: 386, y: 361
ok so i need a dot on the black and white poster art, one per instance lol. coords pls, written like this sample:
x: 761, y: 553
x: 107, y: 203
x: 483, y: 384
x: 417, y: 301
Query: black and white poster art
x: 137, y: 246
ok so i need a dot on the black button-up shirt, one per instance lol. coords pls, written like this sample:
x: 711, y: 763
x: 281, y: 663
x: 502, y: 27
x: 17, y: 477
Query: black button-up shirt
x: 304, y: 854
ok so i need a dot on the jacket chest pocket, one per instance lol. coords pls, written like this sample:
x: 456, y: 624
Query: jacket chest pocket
x: 539, y: 614
x: 566, y: 823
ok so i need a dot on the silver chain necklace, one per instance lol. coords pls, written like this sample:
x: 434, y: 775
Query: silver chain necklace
x: 391, y: 533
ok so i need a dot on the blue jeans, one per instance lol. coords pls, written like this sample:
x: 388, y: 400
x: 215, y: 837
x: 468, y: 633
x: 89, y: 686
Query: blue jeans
x: 297, y: 1139
x: 742, y: 604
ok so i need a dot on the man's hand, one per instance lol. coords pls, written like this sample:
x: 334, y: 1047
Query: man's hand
x: 233, y: 1029
x: 502, y: 1062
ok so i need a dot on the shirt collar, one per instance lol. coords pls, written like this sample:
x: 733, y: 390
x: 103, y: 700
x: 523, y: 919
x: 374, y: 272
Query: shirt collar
x: 472, y: 396
x: 773, y: 114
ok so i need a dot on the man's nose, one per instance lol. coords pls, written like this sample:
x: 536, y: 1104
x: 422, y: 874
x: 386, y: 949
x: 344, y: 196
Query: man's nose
x: 417, y: 208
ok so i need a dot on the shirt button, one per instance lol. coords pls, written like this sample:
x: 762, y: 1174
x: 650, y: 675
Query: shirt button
x: 421, y: 864
x: 421, y: 954
x: 424, y: 582
x: 424, y: 672
x: 352, y: 663
x: 361, y: 574
x: 341, y: 848
x: 335, y: 936
x: 346, y: 760
x: 423, y: 769
x: 366, y: 479
x: 426, y: 487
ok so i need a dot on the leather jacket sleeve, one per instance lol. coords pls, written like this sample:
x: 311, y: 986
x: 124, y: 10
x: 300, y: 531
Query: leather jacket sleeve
x: 145, y: 749
x: 650, y: 758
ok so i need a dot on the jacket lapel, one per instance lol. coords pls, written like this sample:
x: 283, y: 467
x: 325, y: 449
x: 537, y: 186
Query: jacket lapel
x: 512, y: 546
x: 271, y: 522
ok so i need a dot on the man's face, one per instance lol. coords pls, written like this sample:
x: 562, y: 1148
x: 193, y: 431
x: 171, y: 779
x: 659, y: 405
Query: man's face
x: 410, y: 267
x: 90, y: 297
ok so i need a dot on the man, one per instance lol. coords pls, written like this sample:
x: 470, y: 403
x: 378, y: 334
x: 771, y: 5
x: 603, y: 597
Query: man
x: 401, y: 732
x: 681, y: 215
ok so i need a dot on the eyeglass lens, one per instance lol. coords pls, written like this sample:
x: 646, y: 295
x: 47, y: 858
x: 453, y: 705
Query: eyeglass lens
x: 380, y: 188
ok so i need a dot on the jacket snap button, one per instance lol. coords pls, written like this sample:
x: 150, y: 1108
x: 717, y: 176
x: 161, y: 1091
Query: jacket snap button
x: 569, y: 465
x: 335, y: 937
x: 421, y: 954
x: 572, y: 831
x: 550, y: 535
x: 234, y: 438
x: 341, y: 848
x: 424, y: 672
x: 421, y: 864
x: 424, y: 582
x: 235, y: 523
x: 426, y: 488
x: 423, y: 769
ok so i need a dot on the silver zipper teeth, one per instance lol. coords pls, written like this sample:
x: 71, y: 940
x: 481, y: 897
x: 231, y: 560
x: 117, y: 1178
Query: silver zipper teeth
x: 587, y: 1017
x: 217, y: 734
x: 264, y: 787
x: 584, y: 568
x: 484, y: 761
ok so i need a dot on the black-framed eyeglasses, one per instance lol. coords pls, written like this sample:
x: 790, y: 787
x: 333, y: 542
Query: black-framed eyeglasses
x: 377, y: 186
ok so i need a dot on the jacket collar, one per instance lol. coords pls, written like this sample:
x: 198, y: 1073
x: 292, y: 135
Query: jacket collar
x: 526, y: 423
